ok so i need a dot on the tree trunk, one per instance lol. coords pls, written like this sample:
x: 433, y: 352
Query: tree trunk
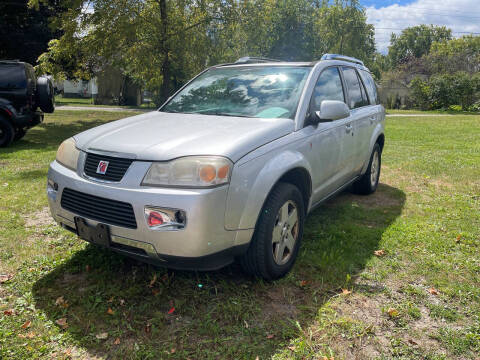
x: 165, y: 89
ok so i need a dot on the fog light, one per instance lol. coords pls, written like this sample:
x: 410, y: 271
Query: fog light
x: 52, y: 189
x: 154, y: 219
x: 165, y: 219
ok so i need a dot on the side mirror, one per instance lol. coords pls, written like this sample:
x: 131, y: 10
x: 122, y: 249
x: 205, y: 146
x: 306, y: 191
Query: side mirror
x: 331, y: 110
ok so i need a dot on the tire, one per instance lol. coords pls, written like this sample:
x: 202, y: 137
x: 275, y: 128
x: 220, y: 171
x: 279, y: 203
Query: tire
x: 45, y: 95
x: 368, y: 183
x: 7, y: 132
x: 19, y: 133
x: 275, y: 243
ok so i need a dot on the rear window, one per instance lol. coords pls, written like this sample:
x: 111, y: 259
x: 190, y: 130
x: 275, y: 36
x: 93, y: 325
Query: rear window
x: 370, y: 85
x: 356, y: 97
x: 12, y: 77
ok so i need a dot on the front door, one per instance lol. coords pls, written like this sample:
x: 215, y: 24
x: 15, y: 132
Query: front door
x: 332, y: 143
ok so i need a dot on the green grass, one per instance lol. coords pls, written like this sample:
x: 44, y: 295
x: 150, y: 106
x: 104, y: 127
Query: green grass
x: 446, y: 111
x: 61, y: 101
x: 420, y: 300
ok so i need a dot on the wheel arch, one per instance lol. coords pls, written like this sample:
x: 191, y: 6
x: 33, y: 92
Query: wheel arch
x: 247, y: 196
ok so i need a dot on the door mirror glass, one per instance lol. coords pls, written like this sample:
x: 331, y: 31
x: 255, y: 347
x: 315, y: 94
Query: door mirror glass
x: 331, y: 110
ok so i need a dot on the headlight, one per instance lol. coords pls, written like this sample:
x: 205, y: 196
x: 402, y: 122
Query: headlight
x: 192, y: 171
x: 67, y: 154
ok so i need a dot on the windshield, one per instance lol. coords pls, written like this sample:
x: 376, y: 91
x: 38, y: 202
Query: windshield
x: 261, y: 91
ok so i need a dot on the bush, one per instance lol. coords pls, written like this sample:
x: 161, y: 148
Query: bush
x: 444, y: 90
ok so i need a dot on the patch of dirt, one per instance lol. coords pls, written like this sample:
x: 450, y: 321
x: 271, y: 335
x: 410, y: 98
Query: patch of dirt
x: 379, y: 199
x: 39, y: 219
x: 282, y: 302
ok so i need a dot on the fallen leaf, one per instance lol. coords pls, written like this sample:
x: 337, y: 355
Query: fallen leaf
x: 5, y: 277
x: 26, y: 324
x: 172, y: 351
x: 410, y: 341
x: 153, y: 281
x: 62, y: 322
x: 60, y: 300
x: 110, y: 311
x: 379, y: 252
x: 346, y: 292
x: 171, y: 310
x: 102, y: 336
x: 459, y: 237
x: 303, y: 283
x: 270, y: 336
x: 21, y: 336
x: 392, y: 312
x: 9, y: 312
x: 433, y: 291
x: 292, y: 348
x: 246, y: 324
x: 117, y: 341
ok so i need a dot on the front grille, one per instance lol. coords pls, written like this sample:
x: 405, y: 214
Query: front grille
x: 115, y: 170
x: 100, y: 209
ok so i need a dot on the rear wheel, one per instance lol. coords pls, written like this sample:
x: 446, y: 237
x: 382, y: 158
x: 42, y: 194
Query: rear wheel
x: 7, y: 132
x: 19, y: 133
x: 278, y: 234
x: 368, y: 183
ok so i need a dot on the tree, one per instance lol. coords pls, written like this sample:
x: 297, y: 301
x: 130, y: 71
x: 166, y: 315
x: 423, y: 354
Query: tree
x: 342, y: 28
x: 414, y: 42
x: 25, y: 32
x: 160, y: 44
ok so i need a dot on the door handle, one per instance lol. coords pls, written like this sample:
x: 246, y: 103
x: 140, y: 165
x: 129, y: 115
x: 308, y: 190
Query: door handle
x: 348, y: 128
x: 372, y: 119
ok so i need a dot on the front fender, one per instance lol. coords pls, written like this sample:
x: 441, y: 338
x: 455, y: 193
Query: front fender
x: 252, y: 182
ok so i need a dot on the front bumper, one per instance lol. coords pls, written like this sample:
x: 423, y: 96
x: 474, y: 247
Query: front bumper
x: 204, y: 243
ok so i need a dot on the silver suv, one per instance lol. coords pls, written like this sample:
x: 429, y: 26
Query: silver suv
x: 228, y: 168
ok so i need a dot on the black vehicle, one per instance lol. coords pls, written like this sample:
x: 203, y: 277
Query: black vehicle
x: 23, y: 100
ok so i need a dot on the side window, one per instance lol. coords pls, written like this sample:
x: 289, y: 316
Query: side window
x: 356, y: 94
x: 328, y: 87
x: 12, y: 77
x: 370, y: 85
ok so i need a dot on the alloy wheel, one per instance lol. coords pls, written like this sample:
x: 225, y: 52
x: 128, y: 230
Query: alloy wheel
x: 285, y: 233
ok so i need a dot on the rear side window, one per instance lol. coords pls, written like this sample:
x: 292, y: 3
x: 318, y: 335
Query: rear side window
x: 356, y: 96
x: 328, y: 87
x: 12, y: 77
x: 370, y: 85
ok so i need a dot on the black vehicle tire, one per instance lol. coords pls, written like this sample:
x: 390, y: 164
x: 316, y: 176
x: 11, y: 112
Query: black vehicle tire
x: 19, y: 133
x: 7, y: 132
x: 45, y: 94
x: 368, y: 183
x: 267, y: 257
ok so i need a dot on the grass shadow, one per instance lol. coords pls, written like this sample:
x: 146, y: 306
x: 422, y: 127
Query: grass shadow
x: 158, y: 313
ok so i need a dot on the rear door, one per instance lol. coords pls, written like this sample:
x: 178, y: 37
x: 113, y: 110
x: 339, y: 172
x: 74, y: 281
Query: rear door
x: 360, y: 114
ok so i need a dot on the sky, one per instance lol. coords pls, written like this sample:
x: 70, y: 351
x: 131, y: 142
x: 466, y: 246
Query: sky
x: 461, y: 16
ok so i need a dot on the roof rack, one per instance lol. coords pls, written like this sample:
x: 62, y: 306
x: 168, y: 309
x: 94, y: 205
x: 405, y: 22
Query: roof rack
x: 342, y: 57
x: 253, y: 59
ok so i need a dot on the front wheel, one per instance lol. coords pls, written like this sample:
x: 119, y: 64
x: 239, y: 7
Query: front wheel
x: 276, y: 241
x: 368, y: 183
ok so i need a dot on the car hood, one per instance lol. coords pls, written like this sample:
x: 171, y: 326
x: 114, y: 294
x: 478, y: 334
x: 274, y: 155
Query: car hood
x: 160, y: 136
